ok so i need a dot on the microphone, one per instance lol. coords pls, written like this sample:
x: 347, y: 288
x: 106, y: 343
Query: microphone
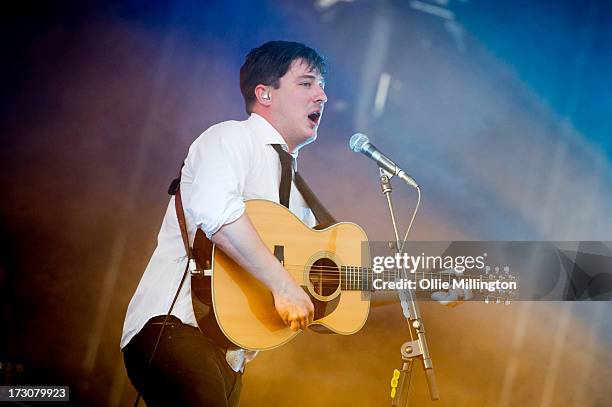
x: 360, y: 143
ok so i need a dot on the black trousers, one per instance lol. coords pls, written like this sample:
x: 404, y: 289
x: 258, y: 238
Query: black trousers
x: 187, y: 370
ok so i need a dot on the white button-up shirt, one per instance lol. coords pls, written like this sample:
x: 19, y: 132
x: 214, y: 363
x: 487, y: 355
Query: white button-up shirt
x: 229, y: 163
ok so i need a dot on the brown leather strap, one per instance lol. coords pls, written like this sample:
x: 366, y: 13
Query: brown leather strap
x: 180, y: 214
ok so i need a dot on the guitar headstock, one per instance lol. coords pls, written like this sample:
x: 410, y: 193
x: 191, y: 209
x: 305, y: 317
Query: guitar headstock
x: 494, y: 285
x: 502, y: 276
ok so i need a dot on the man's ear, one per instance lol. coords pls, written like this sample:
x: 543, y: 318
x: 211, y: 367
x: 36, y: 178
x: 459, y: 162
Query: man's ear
x: 262, y: 93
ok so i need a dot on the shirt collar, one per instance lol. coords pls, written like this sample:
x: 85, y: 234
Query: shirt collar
x: 266, y: 133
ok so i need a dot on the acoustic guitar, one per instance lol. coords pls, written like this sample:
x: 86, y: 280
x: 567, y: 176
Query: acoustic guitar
x: 329, y: 264
x: 324, y: 262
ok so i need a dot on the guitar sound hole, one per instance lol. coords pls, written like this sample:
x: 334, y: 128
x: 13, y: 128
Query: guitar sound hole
x: 324, y: 277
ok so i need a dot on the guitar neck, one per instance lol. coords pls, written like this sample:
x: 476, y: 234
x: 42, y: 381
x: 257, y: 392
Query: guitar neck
x: 354, y: 278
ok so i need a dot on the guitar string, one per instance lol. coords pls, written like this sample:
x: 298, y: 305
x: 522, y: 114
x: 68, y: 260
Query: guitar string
x: 345, y: 269
x: 360, y: 271
x: 335, y: 271
x: 356, y: 268
x: 361, y: 280
x: 358, y: 275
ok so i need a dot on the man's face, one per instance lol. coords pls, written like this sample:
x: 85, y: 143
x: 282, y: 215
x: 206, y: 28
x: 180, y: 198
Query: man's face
x: 297, y: 105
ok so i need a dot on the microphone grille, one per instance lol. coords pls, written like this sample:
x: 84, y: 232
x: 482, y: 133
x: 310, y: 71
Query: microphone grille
x: 357, y: 141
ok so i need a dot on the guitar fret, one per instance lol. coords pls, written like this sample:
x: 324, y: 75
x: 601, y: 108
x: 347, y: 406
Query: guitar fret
x: 348, y: 278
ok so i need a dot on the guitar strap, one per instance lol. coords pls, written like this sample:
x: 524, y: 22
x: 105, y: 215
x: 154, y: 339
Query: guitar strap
x: 178, y: 205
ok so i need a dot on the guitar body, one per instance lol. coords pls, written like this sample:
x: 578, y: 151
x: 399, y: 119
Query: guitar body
x: 244, y: 307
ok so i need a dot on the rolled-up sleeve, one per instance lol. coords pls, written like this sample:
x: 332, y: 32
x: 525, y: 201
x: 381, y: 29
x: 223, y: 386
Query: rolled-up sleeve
x: 214, y: 177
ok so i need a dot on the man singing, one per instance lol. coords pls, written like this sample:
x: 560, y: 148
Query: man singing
x: 282, y: 85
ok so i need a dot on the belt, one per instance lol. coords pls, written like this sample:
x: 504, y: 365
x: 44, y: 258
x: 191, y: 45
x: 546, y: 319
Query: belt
x: 159, y: 320
x: 235, y: 358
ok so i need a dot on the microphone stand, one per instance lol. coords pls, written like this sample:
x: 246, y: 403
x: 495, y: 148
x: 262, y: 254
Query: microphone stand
x: 413, y: 349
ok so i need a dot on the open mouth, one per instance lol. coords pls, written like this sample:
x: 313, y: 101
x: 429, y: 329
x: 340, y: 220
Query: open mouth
x: 314, y: 117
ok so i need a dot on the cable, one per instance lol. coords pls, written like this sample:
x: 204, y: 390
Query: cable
x: 163, y: 325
